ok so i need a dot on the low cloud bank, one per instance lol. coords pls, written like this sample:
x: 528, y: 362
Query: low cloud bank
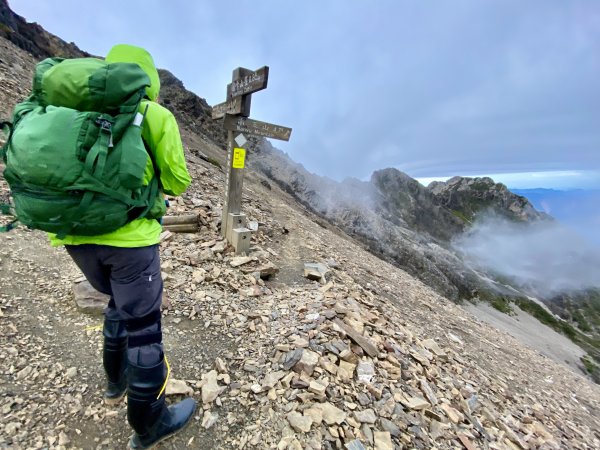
x: 545, y: 257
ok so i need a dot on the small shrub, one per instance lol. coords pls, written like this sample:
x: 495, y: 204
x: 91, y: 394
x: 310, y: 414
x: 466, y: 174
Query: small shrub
x: 503, y: 305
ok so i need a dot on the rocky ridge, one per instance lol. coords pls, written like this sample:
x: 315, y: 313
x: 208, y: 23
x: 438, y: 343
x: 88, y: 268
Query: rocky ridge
x: 392, y: 215
x: 32, y: 38
x: 468, y: 197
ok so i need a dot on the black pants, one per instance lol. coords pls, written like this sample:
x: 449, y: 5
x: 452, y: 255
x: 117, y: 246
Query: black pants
x: 132, y: 278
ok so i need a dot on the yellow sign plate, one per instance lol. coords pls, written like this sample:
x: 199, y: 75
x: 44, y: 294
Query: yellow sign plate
x: 239, y: 158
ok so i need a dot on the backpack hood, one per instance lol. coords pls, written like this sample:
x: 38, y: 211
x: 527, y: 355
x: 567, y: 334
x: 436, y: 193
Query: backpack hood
x: 139, y: 56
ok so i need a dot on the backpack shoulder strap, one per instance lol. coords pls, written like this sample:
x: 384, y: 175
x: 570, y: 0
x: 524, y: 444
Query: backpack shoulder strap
x: 5, y: 126
x: 6, y: 209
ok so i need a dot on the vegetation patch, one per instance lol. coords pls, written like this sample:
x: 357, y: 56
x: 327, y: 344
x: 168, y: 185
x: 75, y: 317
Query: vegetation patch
x: 460, y: 215
x: 6, y: 29
x: 591, y: 367
x: 503, y: 305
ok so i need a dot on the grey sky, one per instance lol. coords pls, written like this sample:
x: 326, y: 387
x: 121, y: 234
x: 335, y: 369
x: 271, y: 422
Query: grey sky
x: 434, y: 88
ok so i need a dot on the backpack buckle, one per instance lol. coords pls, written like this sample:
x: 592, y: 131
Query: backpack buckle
x: 105, y: 125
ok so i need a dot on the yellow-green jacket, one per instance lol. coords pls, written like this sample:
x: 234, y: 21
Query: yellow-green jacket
x: 161, y: 134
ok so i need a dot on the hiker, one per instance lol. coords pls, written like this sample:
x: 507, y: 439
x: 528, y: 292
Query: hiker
x: 125, y: 264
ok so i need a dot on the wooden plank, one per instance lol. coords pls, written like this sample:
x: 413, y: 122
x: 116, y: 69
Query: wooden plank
x: 233, y: 106
x: 256, y: 128
x: 238, y: 74
x: 179, y: 220
x: 366, y: 344
x: 249, y: 82
x: 182, y: 228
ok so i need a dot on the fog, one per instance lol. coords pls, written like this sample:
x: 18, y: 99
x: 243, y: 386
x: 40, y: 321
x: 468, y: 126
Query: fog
x: 545, y: 257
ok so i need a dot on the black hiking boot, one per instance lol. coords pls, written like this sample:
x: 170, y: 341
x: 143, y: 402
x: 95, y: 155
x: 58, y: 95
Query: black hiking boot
x: 114, y: 357
x: 147, y: 413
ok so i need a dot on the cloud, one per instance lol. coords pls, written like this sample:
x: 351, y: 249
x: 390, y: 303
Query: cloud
x: 544, y: 256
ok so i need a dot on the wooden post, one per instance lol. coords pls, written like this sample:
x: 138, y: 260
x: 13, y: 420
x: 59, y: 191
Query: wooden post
x: 235, y: 111
x: 236, y: 160
x: 179, y: 220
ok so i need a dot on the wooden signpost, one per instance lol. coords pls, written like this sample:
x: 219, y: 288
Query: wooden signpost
x: 235, y: 112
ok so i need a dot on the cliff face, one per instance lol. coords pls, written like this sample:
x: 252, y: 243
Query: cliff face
x: 405, y: 197
x: 468, y: 197
x: 32, y: 38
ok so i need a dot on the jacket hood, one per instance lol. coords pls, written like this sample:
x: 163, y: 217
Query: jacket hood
x: 139, y: 56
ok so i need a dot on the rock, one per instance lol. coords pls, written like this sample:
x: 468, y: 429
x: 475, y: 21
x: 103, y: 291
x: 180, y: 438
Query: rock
x: 315, y: 272
x: 299, y: 422
x: 416, y: 403
x: 178, y: 387
x: 271, y: 379
x: 88, y: 299
x: 365, y: 371
x: 345, y: 371
x: 71, y: 372
x: 383, y: 440
x: 219, y: 247
x: 11, y: 428
x: 349, y: 356
x: 331, y: 413
x: 220, y: 365
x: 366, y: 416
x: 454, y: 415
x: 455, y: 339
x: 292, y: 358
x: 63, y: 439
x: 240, y: 260
x: 298, y: 383
x: 368, y: 433
x: 308, y: 362
x: 436, y: 430
x: 317, y: 388
x: 332, y: 263
x: 466, y: 442
x: 433, y: 347
x: 210, y: 389
x: 209, y: 419
x: 268, y: 270
x: 426, y: 389
x: 316, y: 414
x: 390, y: 427
x: 198, y: 276
x: 355, y: 445
x: 366, y: 344
x: 328, y: 365
x: 363, y: 398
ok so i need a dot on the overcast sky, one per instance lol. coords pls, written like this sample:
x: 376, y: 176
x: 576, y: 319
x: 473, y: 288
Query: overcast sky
x: 433, y: 88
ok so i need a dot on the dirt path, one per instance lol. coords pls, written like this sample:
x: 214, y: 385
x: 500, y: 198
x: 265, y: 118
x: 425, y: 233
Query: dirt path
x: 51, y: 377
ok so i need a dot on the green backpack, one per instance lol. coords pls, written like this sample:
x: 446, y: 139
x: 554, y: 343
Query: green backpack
x: 75, y: 158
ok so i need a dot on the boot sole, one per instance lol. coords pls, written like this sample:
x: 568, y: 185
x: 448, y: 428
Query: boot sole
x: 167, y: 436
x: 114, y: 400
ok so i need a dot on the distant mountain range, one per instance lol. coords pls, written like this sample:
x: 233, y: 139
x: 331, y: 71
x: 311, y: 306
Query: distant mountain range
x: 578, y: 208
